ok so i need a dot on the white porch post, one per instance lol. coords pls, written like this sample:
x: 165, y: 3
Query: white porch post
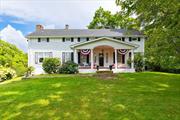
x: 132, y: 59
x: 115, y: 50
x: 75, y: 56
x: 92, y: 61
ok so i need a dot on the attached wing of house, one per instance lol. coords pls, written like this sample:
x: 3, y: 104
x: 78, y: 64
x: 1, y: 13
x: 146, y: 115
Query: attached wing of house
x: 87, y: 47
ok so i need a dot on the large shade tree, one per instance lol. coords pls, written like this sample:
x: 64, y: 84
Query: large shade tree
x: 105, y: 19
x: 160, y: 20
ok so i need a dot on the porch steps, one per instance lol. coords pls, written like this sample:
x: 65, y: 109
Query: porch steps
x: 105, y: 74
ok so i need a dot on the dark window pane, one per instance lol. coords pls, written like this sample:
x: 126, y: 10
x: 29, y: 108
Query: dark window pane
x: 47, y: 39
x: 130, y: 39
x: 123, y: 59
x: 78, y: 39
x: 87, y: 39
x: 79, y: 57
x: 123, y: 39
x: 72, y: 39
x: 139, y: 39
x: 87, y: 60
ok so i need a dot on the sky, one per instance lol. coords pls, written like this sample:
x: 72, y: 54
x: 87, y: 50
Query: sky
x: 23, y: 15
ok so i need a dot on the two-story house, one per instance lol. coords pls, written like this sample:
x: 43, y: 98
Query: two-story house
x: 86, y: 47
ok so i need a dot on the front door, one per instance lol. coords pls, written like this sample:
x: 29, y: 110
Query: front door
x: 101, y: 59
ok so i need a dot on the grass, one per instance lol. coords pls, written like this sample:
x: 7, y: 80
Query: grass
x: 131, y: 96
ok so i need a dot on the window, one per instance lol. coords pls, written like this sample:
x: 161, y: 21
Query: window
x: 67, y: 56
x: 79, y: 39
x: 139, y: 39
x: 134, y: 39
x: 130, y: 39
x: 123, y: 39
x: 39, y: 39
x: 87, y: 39
x: 72, y: 39
x: 47, y: 39
x: 63, y: 39
x: 39, y: 56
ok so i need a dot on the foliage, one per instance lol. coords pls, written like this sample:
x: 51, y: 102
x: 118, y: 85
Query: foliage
x: 29, y: 70
x: 11, y: 56
x: 159, y: 19
x: 50, y: 65
x: 130, y: 96
x: 6, y: 73
x: 69, y: 67
x: 104, y: 19
x: 138, y: 62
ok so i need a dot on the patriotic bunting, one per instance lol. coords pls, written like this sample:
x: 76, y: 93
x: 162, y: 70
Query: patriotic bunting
x: 85, y: 51
x: 123, y: 51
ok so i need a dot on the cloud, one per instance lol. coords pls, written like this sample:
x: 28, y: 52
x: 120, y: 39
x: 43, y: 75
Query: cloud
x: 18, y: 21
x: 76, y: 13
x: 13, y: 36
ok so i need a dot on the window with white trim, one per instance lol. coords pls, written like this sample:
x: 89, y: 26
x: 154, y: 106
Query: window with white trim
x: 67, y: 56
x: 39, y: 56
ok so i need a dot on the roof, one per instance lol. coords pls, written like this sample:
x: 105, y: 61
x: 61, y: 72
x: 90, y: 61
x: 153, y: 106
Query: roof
x: 102, y: 38
x: 84, y: 33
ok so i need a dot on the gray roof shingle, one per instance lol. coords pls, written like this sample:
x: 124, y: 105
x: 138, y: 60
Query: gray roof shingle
x: 84, y: 33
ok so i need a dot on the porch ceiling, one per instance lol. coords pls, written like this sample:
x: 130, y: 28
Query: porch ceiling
x: 104, y: 41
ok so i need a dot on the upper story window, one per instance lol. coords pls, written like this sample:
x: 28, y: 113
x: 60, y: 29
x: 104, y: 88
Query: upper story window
x: 79, y: 39
x: 134, y: 39
x: 87, y: 39
x: 130, y: 39
x: 43, y: 39
x: 68, y: 39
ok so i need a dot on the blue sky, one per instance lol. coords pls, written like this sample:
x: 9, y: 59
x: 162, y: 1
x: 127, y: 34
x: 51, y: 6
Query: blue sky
x: 24, y: 27
x: 19, y: 17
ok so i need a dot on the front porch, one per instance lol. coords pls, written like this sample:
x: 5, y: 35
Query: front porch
x: 103, y: 53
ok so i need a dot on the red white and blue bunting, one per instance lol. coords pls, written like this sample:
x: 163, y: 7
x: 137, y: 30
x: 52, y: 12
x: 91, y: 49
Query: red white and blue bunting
x: 122, y: 51
x: 85, y: 51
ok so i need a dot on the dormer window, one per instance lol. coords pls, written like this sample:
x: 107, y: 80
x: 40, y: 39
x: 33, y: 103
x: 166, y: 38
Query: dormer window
x: 79, y: 39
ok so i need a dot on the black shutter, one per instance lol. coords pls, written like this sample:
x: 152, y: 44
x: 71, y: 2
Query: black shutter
x: 79, y: 60
x: 72, y: 56
x: 39, y: 39
x: 139, y: 39
x: 114, y: 57
x: 72, y: 39
x: 87, y: 39
x: 78, y: 39
x: 63, y: 39
x: 130, y: 39
x: 87, y: 60
x: 47, y: 39
x: 123, y: 39
x: 123, y: 59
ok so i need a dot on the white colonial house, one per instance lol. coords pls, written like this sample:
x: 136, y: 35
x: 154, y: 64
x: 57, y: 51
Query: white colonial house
x: 87, y: 47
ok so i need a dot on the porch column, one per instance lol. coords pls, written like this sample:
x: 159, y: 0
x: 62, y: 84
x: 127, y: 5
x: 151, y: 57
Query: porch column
x: 132, y: 59
x: 92, y: 61
x: 115, y: 51
x: 75, y: 56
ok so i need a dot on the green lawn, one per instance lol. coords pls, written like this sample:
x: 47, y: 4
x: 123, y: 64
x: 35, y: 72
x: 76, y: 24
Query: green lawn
x: 135, y: 96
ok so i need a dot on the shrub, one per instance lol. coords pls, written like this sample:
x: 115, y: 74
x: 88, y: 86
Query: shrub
x: 50, y: 65
x: 69, y: 68
x: 138, y: 62
x: 29, y: 71
x: 6, y: 73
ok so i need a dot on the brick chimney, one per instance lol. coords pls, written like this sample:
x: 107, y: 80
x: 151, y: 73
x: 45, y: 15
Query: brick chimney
x: 66, y: 26
x: 39, y: 27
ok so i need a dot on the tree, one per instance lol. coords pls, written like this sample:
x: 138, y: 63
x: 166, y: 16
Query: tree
x: 11, y: 56
x: 159, y: 19
x: 104, y: 19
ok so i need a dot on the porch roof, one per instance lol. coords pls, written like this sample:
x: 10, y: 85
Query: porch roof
x: 105, y: 41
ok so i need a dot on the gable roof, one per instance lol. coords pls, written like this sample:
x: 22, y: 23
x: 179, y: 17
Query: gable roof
x: 102, y: 38
x: 84, y: 33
